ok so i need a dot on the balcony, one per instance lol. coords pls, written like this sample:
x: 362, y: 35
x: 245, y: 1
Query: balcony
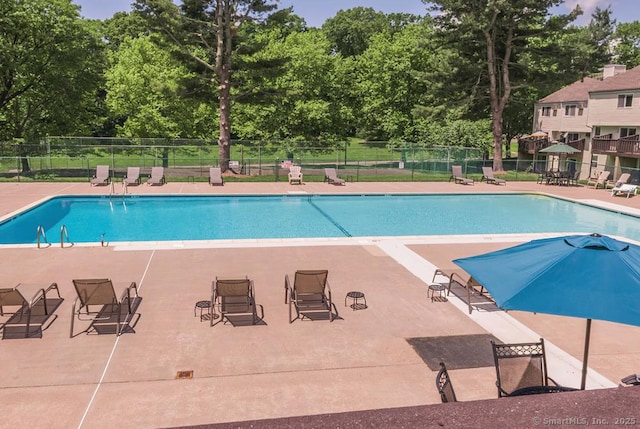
x: 533, y: 145
x: 625, y: 146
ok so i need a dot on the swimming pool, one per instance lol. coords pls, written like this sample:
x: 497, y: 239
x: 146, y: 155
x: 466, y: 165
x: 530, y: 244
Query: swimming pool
x: 164, y: 218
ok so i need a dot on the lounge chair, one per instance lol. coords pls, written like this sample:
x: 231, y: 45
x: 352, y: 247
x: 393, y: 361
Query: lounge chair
x: 624, y: 178
x: 233, y: 301
x: 465, y: 280
x: 457, y: 177
x: 157, y: 176
x: 600, y: 180
x: 624, y: 189
x: 330, y: 176
x: 444, y: 386
x: 487, y: 174
x: 520, y: 367
x: 102, y: 176
x: 98, y: 303
x: 309, y: 295
x: 295, y: 175
x: 132, y: 177
x: 27, y: 318
x: 215, y: 176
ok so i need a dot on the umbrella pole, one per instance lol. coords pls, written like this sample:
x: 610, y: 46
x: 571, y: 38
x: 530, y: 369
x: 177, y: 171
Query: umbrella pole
x: 585, y: 357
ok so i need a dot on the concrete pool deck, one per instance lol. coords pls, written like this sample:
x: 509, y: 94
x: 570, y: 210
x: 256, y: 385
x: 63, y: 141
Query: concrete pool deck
x: 361, y: 361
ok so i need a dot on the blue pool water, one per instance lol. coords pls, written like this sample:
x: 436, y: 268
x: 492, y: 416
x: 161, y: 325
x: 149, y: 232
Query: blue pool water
x: 155, y: 218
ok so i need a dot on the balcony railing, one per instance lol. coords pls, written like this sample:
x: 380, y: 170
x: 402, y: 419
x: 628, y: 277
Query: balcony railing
x: 625, y: 146
x: 533, y: 146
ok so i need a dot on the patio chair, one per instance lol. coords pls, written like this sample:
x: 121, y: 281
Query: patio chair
x: 98, y: 303
x: 331, y: 177
x: 215, y: 176
x: 520, y: 366
x: 624, y: 178
x: 574, y: 180
x: 624, y: 189
x: 487, y: 174
x: 132, y: 177
x: 102, y: 176
x: 444, y: 386
x: 157, y: 176
x: 457, y: 177
x: 27, y: 318
x: 465, y: 280
x: 309, y: 295
x: 600, y: 180
x: 233, y: 301
x: 295, y: 175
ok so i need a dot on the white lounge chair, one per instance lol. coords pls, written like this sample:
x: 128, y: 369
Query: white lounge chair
x: 133, y: 176
x: 215, y: 176
x: 600, y: 180
x: 295, y: 175
x: 623, y: 189
x: 157, y: 176
x: 102, y: 176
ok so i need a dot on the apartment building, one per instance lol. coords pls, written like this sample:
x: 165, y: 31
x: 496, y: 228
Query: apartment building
x: 598, y: 116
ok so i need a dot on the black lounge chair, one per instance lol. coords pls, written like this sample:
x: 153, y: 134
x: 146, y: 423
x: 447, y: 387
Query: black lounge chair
x: 98, y: 303
x: 27, y: 318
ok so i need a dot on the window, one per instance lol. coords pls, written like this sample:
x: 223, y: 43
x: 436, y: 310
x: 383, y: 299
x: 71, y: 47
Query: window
x: 555, y: 112
x: 625, y: 100
x: 626, y: 132
x: 546, y: 111
x: 571, y: 137
x: 570, y: 110
x: 597, y: 131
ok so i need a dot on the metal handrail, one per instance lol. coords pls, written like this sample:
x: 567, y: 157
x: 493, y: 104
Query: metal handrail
x: 64, y: 234
x: 40, y: 233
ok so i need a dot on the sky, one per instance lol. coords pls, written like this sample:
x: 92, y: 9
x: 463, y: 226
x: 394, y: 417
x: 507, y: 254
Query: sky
x: 316, y: 12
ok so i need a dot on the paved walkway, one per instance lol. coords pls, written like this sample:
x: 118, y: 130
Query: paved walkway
x: 361, y: 361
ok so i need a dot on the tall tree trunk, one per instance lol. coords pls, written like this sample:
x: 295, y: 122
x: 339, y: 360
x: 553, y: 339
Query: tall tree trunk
x: 499, y: 89
x: 224, y: 33
x: 224, y: 140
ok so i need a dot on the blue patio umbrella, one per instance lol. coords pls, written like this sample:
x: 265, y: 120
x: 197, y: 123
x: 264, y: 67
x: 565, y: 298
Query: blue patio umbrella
x: 587, y: 276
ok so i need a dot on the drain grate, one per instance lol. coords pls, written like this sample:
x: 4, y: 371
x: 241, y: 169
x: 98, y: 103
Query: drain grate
x: 184, y: 375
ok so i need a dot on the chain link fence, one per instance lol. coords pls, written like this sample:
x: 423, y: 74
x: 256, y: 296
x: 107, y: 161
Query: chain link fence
x: 76, y: 158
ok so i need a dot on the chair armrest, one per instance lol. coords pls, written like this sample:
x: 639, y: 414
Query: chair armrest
x: 127, y: 294
x: 287, y: 288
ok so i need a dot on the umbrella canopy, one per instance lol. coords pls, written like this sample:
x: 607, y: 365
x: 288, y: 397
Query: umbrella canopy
x: 538, y: 134
x: 559, y: 148
x: 587, y: 276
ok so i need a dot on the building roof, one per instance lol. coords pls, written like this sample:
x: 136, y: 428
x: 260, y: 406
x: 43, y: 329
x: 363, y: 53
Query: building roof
x: 577, y: 91
x: 628, y: 80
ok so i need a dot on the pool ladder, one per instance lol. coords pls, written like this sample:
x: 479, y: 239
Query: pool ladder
x: 41, y: 236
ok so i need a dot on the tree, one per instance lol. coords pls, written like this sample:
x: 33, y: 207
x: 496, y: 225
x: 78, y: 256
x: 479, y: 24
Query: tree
x: 51, y: 63
x: 207, y: 30
x: 387, y: 86
x: 305, y: 103
x: 492, y: 35
x: 349, y: 31
x: 144, y: 87
x: 626, y: 48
